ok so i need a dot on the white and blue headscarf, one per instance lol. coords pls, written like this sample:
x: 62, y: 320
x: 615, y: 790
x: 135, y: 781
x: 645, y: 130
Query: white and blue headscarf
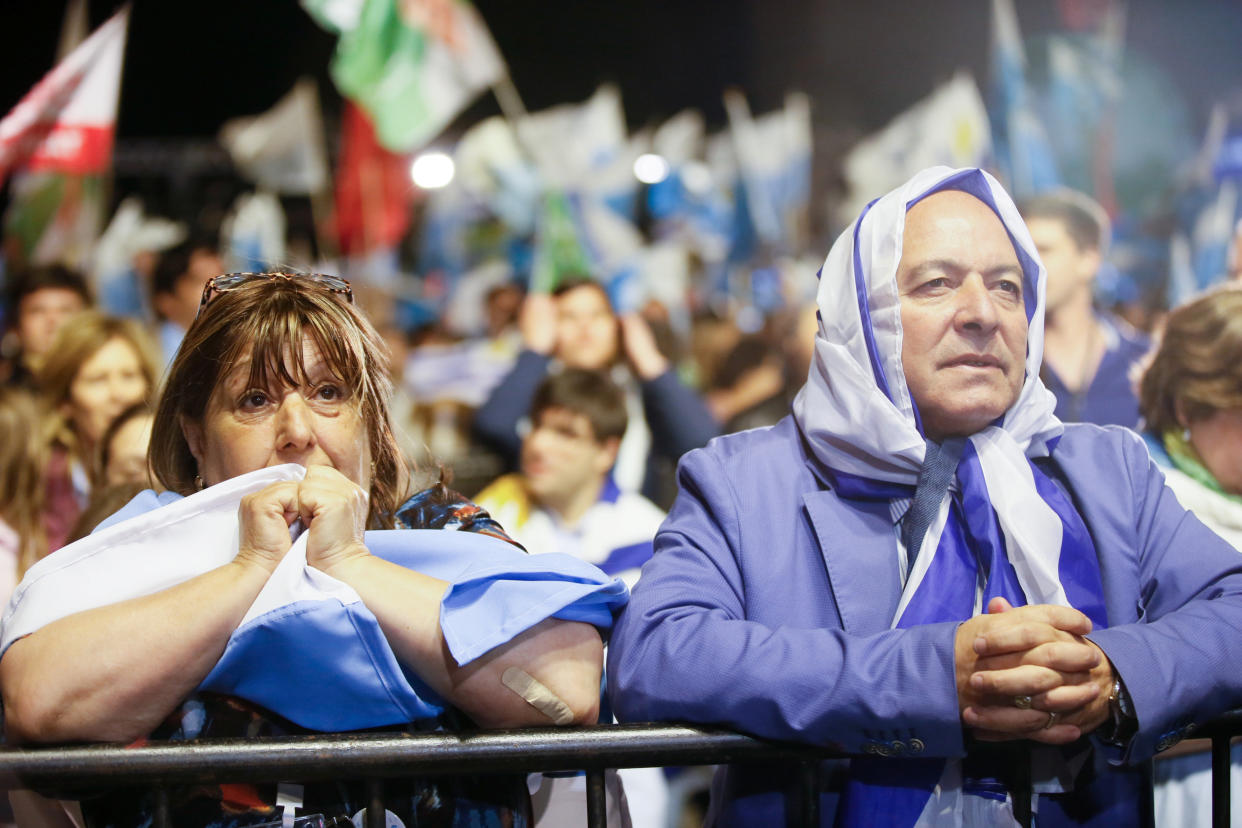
x: 1008, y: 530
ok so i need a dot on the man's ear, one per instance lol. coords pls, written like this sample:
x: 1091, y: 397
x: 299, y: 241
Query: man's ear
x: 608, y: 452
x: 1089, y: 263
x: 192, y: 431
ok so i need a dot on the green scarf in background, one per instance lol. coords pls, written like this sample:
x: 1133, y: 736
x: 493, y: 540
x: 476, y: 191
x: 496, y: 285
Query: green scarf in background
x: 1188, y: 462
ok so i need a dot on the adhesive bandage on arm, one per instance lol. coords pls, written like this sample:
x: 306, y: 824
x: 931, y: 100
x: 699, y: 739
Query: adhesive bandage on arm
x: 537, y: 695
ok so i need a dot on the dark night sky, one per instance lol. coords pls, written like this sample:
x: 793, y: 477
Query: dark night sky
x: 192, y: 64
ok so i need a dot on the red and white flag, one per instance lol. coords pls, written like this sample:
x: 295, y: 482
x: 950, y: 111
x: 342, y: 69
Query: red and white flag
x: 67, y: 121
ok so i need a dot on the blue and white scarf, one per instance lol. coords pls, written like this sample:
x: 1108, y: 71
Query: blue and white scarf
x: 1009, y: 531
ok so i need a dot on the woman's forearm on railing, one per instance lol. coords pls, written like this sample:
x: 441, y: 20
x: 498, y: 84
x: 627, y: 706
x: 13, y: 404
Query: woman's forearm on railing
x: 115, y: 672
x: 564, y: 659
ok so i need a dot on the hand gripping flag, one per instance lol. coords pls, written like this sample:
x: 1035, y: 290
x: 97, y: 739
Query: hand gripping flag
x: 308, y: 649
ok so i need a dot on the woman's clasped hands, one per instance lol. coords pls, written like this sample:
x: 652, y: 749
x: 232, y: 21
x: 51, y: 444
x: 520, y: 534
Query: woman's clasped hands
x: 331, y: 507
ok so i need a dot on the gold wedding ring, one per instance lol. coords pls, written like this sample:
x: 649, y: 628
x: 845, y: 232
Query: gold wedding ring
x: 1022, y: 702
x: 1052, y: 719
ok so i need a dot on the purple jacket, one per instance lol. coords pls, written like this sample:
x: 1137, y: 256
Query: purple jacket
x: 768, y: 603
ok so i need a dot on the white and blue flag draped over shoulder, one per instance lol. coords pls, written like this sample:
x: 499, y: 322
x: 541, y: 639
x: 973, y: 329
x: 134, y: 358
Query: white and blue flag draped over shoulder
x: 308, y: 648
x: 1007, y: 529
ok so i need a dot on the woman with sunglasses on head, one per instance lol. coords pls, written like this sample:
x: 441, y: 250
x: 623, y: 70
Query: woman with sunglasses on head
x: 283, y: 369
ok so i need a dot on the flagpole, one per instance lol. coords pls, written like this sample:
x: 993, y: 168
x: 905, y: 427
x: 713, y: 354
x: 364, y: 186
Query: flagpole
x: 510, y: 101
x: 321, y: 199
x: 108, y: 180
x: 514, y: 111
x: 321, y: 208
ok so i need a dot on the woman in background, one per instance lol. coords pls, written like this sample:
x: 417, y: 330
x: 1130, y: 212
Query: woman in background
x: 97, y: 366
x: 123, y: 447
x: 1191, y: 401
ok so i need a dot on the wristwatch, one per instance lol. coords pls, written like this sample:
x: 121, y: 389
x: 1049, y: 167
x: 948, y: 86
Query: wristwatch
x: 1122, y: 723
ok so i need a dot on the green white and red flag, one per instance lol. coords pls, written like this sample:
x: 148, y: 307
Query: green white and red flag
x: 67, y: 122
x: 411, y: 65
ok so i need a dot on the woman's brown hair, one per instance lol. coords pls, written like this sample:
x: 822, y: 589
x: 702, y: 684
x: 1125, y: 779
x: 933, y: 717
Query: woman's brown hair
x: 270, y: 319
x: 21, y: 474
x: 1197, y: 369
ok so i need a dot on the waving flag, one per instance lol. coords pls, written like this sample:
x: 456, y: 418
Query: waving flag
x: 372, y: 208
x: 1023, y: 152
x: 412, y: 65
x: 253, y: 233
x: 949, y: 127
x: 585, y: 159
x: 57, y: 143
x: 282, y: 150
x: 67, y: 121
x: 773, y: 155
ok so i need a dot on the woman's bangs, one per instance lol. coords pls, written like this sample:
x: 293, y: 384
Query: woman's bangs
x: 276, y: 351
x: 341, y: 349
x: 278, y: 358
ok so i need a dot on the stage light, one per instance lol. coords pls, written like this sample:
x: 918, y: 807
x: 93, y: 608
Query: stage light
x: 432, y: 170
x: 650, y: 168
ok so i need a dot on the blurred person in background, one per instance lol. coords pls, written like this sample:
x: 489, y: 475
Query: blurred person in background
x: 1191, y: 396
x: 757, y: 380
x: 123, y: 448
x: 121, y: 470
x: 502, y: 307
x: 22, y: 459
x: 712, y: 337
x: 177, y: 280
x: 1088, y: 354
x: 576, y: 327
x: 564, y: 500
x: 40, y: 300
x: 747, y: 388
x: 97, y: 366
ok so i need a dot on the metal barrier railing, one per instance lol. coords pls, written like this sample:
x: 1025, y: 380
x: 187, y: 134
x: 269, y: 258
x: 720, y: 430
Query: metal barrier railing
x: 374, y: 757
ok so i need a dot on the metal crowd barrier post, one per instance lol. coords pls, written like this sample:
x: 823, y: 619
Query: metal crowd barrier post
x: 374, y: 757
x: 1221, y: 731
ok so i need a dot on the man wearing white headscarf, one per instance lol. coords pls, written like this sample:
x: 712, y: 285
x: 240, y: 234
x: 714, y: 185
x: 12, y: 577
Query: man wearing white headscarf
x: 923, y: 567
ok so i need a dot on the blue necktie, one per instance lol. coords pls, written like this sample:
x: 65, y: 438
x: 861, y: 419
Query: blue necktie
x: 939, y: 467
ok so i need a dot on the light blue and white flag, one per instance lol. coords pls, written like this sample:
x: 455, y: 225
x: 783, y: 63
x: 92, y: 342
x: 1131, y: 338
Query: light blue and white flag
x: 947, y: 128
x: 252, y: 236
x: 1023, y: 152
x: 305, y: 628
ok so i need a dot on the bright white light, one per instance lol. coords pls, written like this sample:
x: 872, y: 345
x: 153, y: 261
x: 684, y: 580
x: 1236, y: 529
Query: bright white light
x: 650, y: 168
x: 696, y: 177
x: 432, y: 170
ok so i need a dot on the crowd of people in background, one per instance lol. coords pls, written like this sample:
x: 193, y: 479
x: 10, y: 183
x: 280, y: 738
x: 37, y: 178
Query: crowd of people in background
x: 566, y: 419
